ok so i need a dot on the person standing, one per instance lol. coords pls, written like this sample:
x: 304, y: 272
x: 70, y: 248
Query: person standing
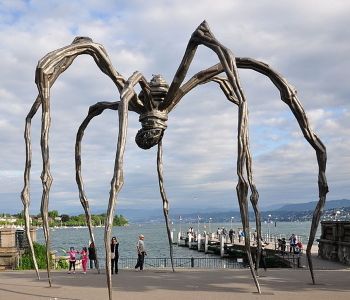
x: 84, y: 259
x: 292, y: 243
x: 141, y: 252
x: 230, y: 234
x: 92, y: 255
x: 114, y: 254
x: 72, y: 259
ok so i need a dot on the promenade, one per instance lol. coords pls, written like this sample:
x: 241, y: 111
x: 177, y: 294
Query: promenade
x: 332, y: 283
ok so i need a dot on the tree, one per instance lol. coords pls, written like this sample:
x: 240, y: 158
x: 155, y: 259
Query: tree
x: 53, y: 214
x: 119, y: 221
x: 65, y: 218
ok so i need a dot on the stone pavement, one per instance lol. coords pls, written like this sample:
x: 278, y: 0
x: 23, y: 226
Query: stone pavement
x: 278, y: 284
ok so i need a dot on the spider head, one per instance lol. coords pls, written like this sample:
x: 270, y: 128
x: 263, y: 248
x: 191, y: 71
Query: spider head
x: 82, y: 39
x: 153, y: 121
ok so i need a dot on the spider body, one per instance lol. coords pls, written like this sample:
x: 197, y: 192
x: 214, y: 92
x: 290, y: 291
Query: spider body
x: 153, y: 104
x: 153, y: 120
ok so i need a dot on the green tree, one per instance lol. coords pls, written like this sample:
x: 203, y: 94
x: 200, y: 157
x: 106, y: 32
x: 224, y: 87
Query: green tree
x: 119, y: 220
x: 26, y: 261
x: 53, y: 214
x: 65, y: 218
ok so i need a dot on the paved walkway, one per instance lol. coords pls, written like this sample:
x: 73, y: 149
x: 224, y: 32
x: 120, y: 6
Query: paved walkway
x: 276, y: 284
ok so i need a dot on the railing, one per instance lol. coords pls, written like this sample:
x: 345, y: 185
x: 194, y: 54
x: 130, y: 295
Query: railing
x: 190, y: 262
x: 293, y: 259
x: 183, y: 262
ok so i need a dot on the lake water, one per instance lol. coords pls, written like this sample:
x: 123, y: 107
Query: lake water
x: 156, y: 241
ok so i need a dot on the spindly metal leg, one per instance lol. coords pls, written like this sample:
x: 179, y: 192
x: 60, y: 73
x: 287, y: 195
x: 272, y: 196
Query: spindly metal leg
x: 165, y: 199
x: 46, y: 178
x: 117, y: 181
x: 94, y: 111
x: 25, y: 192
x: 203, y: 36
x: 289, y: 96
x: 48, y: 70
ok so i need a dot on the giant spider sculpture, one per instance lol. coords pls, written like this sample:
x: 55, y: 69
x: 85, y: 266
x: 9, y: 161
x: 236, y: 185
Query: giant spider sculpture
x: 153, y: 104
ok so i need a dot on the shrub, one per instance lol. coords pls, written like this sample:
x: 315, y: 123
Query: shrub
x: 26, y: 261
x: 62, y: 264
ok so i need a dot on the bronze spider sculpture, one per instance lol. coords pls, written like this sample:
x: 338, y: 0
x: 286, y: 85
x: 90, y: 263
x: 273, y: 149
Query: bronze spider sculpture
x: 153, y: 104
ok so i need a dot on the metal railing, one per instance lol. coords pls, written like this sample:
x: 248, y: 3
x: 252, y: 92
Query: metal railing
x: 293, y: 259
x: 184, y: 262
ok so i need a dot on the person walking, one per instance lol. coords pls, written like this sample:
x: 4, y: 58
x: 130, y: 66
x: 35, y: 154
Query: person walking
x: 92, y: 255
x: 230, y: 234
x: 84, y: 259
x: 72, y: 259
x: 263, y: 256
x: 114, y: 254
x: 141, y: 252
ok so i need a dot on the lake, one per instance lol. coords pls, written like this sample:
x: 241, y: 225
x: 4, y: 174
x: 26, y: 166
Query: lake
x: 156, y: 241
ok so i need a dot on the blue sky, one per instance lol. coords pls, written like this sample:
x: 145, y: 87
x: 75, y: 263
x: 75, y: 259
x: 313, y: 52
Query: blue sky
x: 306, y: 41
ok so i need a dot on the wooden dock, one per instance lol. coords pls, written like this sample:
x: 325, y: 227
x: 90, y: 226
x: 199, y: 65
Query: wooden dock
x: 222, y: 246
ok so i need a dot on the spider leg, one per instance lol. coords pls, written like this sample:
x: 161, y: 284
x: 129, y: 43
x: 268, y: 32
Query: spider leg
x: 254, y: 197
x: 203, y: 36
x: 165, y: 199
x: 94, y: 111
x: 25, y: 192
x: 46, y: 178
x: 117, y: 181
x: 48, y: 70
x: 289, y: 96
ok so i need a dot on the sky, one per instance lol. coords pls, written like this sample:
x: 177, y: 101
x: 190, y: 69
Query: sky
x: 306, y: 41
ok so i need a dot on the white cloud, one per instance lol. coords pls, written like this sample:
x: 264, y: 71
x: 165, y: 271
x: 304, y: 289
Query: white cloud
x: 304, y: 41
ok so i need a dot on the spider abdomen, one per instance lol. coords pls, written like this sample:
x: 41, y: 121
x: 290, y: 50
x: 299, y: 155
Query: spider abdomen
x: 147, y: 138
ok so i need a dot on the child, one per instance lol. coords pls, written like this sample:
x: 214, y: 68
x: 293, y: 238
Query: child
x: 72, y: 259
x: 84, y: 259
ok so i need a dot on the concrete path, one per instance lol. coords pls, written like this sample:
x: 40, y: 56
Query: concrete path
x: 276, y: 284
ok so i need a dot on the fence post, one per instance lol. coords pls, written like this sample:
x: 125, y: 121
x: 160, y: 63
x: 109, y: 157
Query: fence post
x: 199, y: 242
x: 164, y: 262
x: 192, y: 262
x: 222, y: 244
x: 206, y: 244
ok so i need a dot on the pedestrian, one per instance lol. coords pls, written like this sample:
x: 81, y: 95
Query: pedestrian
x: 230, y: 234
x: 263, y: 256
x: 114, y: 254
x: 284, y: 244
x: 141, y: 252
x: 292, y: 243
x: 72, y: 259
x: 84, y: 259
x: 92, y: 255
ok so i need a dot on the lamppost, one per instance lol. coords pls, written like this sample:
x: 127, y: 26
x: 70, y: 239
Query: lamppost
x: 180, y: 219
x: 209, y: 225
x: 232, y: 222
x: 268, y: 228
x: 198, y: 218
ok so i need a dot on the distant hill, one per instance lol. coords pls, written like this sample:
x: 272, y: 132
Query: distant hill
x: 332, y: 204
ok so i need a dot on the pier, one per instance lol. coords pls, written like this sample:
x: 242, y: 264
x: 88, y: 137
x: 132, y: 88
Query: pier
x: 223, y: 245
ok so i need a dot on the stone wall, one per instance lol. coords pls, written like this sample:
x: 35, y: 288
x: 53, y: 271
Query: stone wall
x: 12, y: 244
x: 334, y: 243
